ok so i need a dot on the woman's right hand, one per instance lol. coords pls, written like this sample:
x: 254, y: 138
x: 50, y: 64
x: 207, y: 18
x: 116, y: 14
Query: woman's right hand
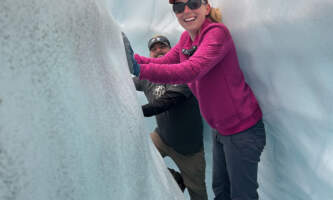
x: 133, y: 66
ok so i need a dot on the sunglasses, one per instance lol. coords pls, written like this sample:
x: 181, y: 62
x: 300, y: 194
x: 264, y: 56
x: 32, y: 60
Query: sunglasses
x: 179, y: 7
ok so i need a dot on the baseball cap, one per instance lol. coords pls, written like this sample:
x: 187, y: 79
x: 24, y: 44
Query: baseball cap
x: 158, y: 39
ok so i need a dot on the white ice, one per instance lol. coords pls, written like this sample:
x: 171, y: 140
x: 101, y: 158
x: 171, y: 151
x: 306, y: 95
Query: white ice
x: 70, y: 124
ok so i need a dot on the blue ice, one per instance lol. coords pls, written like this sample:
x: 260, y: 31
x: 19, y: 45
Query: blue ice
x: 70, y: 123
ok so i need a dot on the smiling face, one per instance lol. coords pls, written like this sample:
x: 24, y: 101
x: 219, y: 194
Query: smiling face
x: 192, y: 20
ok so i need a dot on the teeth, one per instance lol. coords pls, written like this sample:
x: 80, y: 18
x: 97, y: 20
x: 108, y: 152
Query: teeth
x: 189, y: 19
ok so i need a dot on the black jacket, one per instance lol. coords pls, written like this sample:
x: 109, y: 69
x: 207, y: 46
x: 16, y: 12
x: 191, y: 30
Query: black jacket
x: 179, y: 123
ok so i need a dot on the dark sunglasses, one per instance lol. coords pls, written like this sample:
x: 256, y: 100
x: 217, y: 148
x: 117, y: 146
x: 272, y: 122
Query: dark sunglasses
x: 179, y: 7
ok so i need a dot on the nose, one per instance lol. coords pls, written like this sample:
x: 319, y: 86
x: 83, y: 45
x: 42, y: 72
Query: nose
x: 159, y: 51
x: 186, y: 9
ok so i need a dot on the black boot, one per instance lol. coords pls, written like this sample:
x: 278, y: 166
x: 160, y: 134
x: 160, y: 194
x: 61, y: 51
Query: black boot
x: 178, y: 178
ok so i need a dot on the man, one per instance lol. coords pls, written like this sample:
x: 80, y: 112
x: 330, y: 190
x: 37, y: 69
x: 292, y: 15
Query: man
x: 179, y: 126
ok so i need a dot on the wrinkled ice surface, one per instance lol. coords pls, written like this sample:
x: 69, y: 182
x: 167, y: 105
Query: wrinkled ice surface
x: 70, y: 124
x: 285, y: 49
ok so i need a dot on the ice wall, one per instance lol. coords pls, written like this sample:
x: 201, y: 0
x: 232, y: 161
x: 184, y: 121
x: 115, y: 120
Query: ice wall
x: 70, y: 124
x: 286, y: 52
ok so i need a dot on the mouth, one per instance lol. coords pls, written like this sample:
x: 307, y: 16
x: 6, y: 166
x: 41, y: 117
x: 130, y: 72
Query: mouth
x: 190, y: 19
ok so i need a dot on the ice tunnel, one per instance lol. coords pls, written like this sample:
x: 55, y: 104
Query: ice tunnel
x: 70, y: 123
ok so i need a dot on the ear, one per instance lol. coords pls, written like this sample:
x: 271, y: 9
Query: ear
x: 207, y: 9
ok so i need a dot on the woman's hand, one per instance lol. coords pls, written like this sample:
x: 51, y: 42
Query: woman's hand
x: 133, y: 65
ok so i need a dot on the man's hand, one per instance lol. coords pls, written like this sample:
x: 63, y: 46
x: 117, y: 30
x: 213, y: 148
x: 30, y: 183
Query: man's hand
x: 133, y: 66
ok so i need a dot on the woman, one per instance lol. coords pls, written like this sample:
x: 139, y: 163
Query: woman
x: 205, y: 58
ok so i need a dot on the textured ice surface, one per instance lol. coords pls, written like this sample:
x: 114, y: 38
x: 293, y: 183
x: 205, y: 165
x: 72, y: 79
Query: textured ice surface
x: 64, y: 89
x: 286, y: 52
x: 70, y: 124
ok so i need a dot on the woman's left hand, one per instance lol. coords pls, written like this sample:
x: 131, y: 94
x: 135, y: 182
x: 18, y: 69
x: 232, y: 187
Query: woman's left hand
x: 135, y: 67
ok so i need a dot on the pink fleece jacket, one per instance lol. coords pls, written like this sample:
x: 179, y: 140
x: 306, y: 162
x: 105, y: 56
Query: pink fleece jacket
x: 213, y: 74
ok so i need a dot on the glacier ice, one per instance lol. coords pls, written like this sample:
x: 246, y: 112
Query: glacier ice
x: 59, y: 63
x: 70, y: 124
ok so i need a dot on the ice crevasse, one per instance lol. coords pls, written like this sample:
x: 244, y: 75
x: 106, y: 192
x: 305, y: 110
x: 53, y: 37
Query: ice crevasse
x: 70, y: 123
x: 285, y: 49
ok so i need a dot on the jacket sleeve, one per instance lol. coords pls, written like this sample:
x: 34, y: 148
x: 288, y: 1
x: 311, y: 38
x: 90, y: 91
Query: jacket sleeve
x: 139, y: 84
x: 165, y: 102
x: 214, y: 46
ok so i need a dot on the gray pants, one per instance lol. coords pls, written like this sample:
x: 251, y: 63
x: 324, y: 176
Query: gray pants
x: 235, y: 163
x: 192, y: 168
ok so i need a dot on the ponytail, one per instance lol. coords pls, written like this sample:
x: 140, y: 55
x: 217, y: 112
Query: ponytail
x: 215, y: 15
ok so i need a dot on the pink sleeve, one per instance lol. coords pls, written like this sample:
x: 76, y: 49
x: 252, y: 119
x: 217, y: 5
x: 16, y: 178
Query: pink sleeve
x: 171, y: 57
x: 215, y: 45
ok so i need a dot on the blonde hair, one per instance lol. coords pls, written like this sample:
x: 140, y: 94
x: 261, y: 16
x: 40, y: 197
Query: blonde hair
x: 215, y: 15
